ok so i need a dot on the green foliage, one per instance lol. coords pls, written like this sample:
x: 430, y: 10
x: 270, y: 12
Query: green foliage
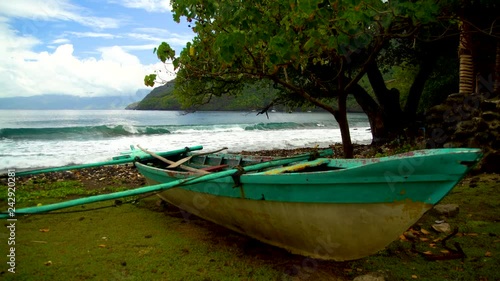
x: 164, y: 52
x: 312, y: 52
x: 442, y: 82
x: 160, y: 98
x: 261, y: 40
x: 149, y: 80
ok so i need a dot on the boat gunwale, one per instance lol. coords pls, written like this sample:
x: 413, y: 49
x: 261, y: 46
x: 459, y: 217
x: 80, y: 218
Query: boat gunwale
x: 359, y: 162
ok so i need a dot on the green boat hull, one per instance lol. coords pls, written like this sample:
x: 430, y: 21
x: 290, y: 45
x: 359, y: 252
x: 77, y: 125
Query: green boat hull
x: 339, y: 209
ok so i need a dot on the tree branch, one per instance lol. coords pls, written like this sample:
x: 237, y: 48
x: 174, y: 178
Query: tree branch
x: 417, y: 87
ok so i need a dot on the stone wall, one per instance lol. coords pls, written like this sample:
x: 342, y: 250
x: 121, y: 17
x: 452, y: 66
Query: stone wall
x: 467, y: 120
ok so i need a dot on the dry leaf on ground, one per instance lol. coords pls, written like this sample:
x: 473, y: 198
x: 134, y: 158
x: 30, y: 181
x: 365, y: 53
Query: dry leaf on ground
x: 424, y: 231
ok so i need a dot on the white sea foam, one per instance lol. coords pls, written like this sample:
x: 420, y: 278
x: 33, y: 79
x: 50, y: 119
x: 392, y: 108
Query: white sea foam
x: 35, y: 152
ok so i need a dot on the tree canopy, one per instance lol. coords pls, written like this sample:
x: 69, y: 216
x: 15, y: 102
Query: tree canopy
x: 315, y: 51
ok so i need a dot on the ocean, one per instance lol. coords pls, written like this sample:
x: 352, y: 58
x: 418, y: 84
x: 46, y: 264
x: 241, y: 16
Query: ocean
x: 32, y: 139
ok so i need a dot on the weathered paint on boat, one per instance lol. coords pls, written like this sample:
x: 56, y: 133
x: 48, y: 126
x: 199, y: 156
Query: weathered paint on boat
x: 341, y: 209
x: 319, y: 230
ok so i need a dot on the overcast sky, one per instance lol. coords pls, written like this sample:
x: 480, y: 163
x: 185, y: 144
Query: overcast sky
x: 84, y: 47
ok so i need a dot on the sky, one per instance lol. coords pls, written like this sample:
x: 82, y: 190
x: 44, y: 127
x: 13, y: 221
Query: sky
x: 84, y: 47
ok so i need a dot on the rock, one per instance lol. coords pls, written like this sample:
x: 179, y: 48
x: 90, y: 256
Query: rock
x: 451, y: 145
x: 483, y: 137
x: 491, y: 162
x: 456, y: 98
x: 372, y: 276
x: 449, y: 210
x: 442, y: 227
x: 490, y: 105
x: 465, y: 126
x: 494, y: 125
x: 495, y: 144
x: 490, y: 115
x: 467, y: 120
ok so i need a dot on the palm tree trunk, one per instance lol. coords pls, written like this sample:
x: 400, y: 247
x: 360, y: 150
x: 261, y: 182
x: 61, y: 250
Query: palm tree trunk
x: 467, y: 77
x: 496, y: 85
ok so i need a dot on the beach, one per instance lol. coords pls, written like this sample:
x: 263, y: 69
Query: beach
x: 144, y: 238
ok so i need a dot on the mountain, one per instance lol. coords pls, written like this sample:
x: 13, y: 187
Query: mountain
x: 56, y: 101
x: 162, y: 98
x: 253, y: 97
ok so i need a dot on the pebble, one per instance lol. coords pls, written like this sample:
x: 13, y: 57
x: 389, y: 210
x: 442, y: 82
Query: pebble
x: 107, y: 175
x: 372, y: 276
x: 448, y: 210
x: 442, y: 227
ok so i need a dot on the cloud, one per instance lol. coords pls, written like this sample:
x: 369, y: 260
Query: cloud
x: 60, y: 41
x: 157, y: 35
x: 159, y: 6
x: 53, y: 10
x: 10, y: 40
x: 52, y: 64
x: 24, y: 72
x: 94, y: 34
x: 139, y: 47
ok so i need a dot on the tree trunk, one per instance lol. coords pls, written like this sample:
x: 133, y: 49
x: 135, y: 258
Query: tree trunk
x: 467, y: 77
x: 390, y: 115
x: 496, y: 85
x: 340, y: 114
x: 388, y: 99
x: 417, y: 87
x: 341, y: 117
x: 374, y: 113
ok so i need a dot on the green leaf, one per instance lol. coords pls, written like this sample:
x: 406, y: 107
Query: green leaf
x: 176, y: 63
x: 165, y: 52
x: 310, y: 44
x: 149, y: 80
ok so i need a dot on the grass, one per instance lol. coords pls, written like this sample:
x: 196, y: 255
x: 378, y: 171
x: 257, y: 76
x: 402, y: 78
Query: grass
x: 479, y: 237
x: 32, y: 191
x: 129, y: 242
x: 142, y: 241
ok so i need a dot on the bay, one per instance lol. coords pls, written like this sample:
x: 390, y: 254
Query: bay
x: 41, y: 138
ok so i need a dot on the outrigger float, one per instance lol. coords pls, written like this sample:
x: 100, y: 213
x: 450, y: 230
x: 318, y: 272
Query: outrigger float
x: 327, y: 208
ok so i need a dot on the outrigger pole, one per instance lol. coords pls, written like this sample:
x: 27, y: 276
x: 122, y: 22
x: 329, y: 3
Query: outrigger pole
x: 165, y: 186
x: 126, y: 157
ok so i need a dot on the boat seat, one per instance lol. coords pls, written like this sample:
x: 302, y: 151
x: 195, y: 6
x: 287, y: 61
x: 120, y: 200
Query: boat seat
x: 214, y: 168
x: 298, y: 167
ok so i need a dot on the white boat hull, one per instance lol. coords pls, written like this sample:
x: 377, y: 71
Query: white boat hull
x: 318, y: 230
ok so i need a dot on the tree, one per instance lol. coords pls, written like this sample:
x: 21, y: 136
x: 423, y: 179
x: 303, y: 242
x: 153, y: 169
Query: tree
x: 317, y: 50
x: 479, y: 30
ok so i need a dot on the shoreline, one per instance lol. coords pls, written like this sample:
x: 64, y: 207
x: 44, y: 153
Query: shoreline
x: 134, y: 239
x: 127, y: 175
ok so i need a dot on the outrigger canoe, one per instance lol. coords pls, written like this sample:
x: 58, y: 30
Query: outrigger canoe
x: 336, y: 209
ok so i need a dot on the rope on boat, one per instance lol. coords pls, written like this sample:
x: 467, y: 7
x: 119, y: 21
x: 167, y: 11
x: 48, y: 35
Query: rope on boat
x: 237, y: 176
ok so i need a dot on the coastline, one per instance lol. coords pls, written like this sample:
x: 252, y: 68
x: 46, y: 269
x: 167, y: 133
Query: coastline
x: 205, y: 251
